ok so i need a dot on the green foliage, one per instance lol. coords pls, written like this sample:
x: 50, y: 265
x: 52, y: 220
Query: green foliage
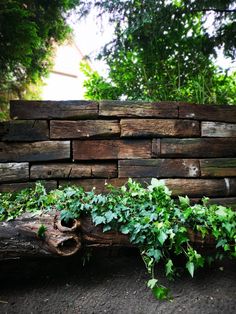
x: 163, y: 51
x: 41, y: 231
x: 155, y: 222
x: 28, y: 31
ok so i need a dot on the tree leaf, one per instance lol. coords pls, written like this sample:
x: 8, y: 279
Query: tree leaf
x: 190, y: 268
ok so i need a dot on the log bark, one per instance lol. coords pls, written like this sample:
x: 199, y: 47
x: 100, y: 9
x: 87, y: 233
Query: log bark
x: 19, y: 238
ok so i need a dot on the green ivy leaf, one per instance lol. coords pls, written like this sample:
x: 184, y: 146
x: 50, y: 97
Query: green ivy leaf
x: 41, y: 231
x: 162, y: 237
x: 161, y: 293
x: 151, y: 283
x: 190, y: 268
x: 169, y: 267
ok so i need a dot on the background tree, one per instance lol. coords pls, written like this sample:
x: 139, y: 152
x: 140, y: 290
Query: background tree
x: 162, y: 50
x: 28, y: 31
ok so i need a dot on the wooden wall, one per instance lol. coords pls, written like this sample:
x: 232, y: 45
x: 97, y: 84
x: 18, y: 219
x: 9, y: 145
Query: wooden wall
x: 192, y: 147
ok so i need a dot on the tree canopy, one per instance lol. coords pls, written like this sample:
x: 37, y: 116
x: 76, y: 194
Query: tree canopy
x: 28, y: 30
x: 163, y: 50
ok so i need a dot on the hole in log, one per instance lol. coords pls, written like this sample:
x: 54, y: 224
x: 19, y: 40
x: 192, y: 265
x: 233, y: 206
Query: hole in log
x: 68, y: 247
x: 68, y: 224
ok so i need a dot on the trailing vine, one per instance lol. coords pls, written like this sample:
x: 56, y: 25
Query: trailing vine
x: 159, y: 225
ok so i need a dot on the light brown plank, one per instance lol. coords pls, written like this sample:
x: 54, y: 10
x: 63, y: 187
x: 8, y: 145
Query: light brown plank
x: 70, y: 109
x: 158, y: 168
x: 159, y: 128
x: 70, y: 171
x: 201, y: 187
x: 111, y: 149
x: 198, y: 147
x: 218, y: 129
x: 138, y: 109
x: 218, y: 167
x: 84, y: 129
x: 208, y: 112
x: 35, y: 151
x: 14, y: 171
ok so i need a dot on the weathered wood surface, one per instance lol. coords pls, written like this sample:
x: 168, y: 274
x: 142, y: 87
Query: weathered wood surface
x: 14, y: 171
x: 84, y: 129
x: 111, y: 149
x: 16, y: 187
x: 35, y: 151
x: 198, y: 147
x: 76, y: 109
x: 202, y: 187
x: 24, y: 130
x: 192, y: 187
x: 93, y: 236
x: 159, y: 128
x: 70, y: 171
x: 218, y: 167
x: 226, y: 201
x: 19, y: 238
x: 138, y: 109
x: 159, y: 168
x: 156, y: 147
x: 208, y: 112
x: 99, y: 185
x: 218, y: 129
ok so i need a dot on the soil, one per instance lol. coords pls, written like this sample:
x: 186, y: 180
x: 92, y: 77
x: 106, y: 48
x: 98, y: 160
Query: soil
x: 110, y: 282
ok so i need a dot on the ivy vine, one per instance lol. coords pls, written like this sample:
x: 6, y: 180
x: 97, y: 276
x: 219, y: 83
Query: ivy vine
x: 159, y: 225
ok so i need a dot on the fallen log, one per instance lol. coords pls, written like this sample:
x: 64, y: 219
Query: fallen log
x: 21, y: 238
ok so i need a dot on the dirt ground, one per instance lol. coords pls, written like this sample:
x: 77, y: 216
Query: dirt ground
x: 110, y: 284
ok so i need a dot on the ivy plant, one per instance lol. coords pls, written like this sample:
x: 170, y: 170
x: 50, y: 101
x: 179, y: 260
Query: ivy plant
x: 158, y: 224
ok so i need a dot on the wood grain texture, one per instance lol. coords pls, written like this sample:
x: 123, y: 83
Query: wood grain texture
x: 138, y: 109
x: 16, y: 187
x: 156, y: 147
x: 218, y: 167
x: 35, y: 151
x: 111, y: 149
x: 198, y: 147
x: 159, y: 128
x: 218, y: 129
x: 71, y: 109
x: 208, y: 112
x: 200, y: 187
x: 159, y: 168
x: 99, y: 185
x: 84, y: 129
x: 70, y: 171
x: 226, y: 201
x: 14, y: 171
x: 24, y: 131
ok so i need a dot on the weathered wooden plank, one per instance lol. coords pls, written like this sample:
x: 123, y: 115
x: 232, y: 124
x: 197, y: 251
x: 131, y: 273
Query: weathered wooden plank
x: 226, y: 201
x: 218, y: 167
x: 15, y: 187
x: 156, y: 147
x: 111, y: 149
x: 159, y: 168
x: 69, y: 170
x: 159, y: 127
x: 24, y: 130
x: 35, y: 151
x: 14, y: 171
x: 198, y: 147
x: 199, y: 187
x: 138, y: 109
x: 84, y: 129
x: 71, y: 109
x: 206, y: 112
x: 218, y: 129
x: 100, y: 185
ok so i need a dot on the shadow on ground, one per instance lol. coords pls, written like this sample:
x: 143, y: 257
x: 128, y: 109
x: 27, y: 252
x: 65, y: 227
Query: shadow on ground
x: 110, y: 284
